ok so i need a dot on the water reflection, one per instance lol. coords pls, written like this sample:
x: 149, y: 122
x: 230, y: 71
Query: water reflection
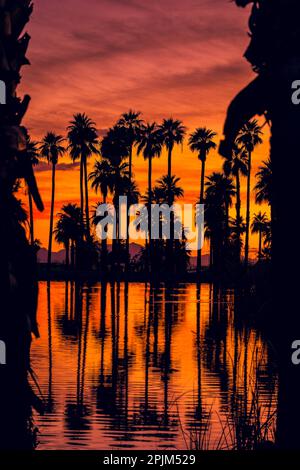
x: 156, y: 367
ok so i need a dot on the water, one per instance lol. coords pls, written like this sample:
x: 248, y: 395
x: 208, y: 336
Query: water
x: 134, y: 367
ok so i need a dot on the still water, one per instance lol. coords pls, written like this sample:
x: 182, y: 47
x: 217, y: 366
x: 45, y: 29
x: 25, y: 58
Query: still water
x: 129, y: 366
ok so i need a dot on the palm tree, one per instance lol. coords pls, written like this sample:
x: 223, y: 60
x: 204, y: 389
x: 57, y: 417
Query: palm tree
x: 263, y: 187
x: 172, y: 132
x: 83, y: 142
x: 237, y: 166
x: 32, y: 154
x: 259, y: 225
x: 101, y: 178
x: 68, y: 230
x: 132, y: 123
x: 164, y: 185
x: 222, y: 189
x: 52, y: 149
x: 218, y: 198
x: 248, y: 138
x: 114, y: 150
x: 201, y: 141
x: 150, y: 145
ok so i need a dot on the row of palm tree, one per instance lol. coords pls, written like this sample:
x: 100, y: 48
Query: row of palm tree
x: 113, y: 174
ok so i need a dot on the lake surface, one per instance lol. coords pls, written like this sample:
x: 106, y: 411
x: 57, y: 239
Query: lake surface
x: 139, y: 367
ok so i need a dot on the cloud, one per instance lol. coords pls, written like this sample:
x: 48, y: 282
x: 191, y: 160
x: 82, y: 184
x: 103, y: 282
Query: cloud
x: 106, y: 55
x: 43, y: 167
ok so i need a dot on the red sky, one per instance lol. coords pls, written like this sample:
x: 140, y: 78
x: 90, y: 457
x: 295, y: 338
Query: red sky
x: 162, y: 57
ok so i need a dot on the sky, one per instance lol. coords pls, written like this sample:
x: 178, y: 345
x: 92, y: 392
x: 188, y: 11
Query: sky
x: 164, y: 58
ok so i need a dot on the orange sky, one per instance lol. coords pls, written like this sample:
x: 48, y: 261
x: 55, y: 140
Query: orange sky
x: 164, y: 58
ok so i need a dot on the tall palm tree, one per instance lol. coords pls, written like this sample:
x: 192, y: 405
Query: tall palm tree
x: 259, y: 225
x: 248, y: 138
x: 114, y: 149
x: 263, y: 187
x: 32, y: 153
x: 132, y: 123
x: 83, y: 142
x: 163, y: 187
x: 166, y: 191
x: 68, y: 230
x: 173, y: 133
x: 201, y: 141
x: 237, y: 166
x: 221, y: 187
x: 101, y: 178
x: 218, y: 197
x: 52, y: 149
x: 150, y: 145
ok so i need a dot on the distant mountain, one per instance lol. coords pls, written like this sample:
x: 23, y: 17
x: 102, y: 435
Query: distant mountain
x: 205, y: 261
x: 58, y: 257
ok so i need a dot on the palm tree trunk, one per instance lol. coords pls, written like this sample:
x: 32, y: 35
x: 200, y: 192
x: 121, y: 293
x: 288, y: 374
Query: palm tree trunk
x: 72, y: 255
x: 199, y: 253
x: 130, y: 163
x: 87, y: 210
x: 127, y: 238
x: 170, y: 242
x: 31, y: 218
x: 149, y: 211
x: 104, y: 248
x: 202, y: 182
x: 169, y: 162
x: 260, y: 245
x: 51, y: 217
x: 81, y: 195
x: 226, y: 223
x: 238, y: 214
x: 67, y: 248
x: 248, y: 212
x: 211, y: 254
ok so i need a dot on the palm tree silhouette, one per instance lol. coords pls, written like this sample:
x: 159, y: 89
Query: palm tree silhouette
x: 249, y: 137
x: 221, y: 187
x: 132, y: 123
x: 68, y: 230
x: 101, y: 178
x: 114, y: 151
x: 218, y: 199
x: 83, y: 142
x: 263, y: 187
x: 150, y: 145
x: 237, y: 166
x: 52, y: 149
x: 172, y: 132
x: 166, y: 185
x: 201, y: 141
x: 259, y: 225
x: 32, y: 154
